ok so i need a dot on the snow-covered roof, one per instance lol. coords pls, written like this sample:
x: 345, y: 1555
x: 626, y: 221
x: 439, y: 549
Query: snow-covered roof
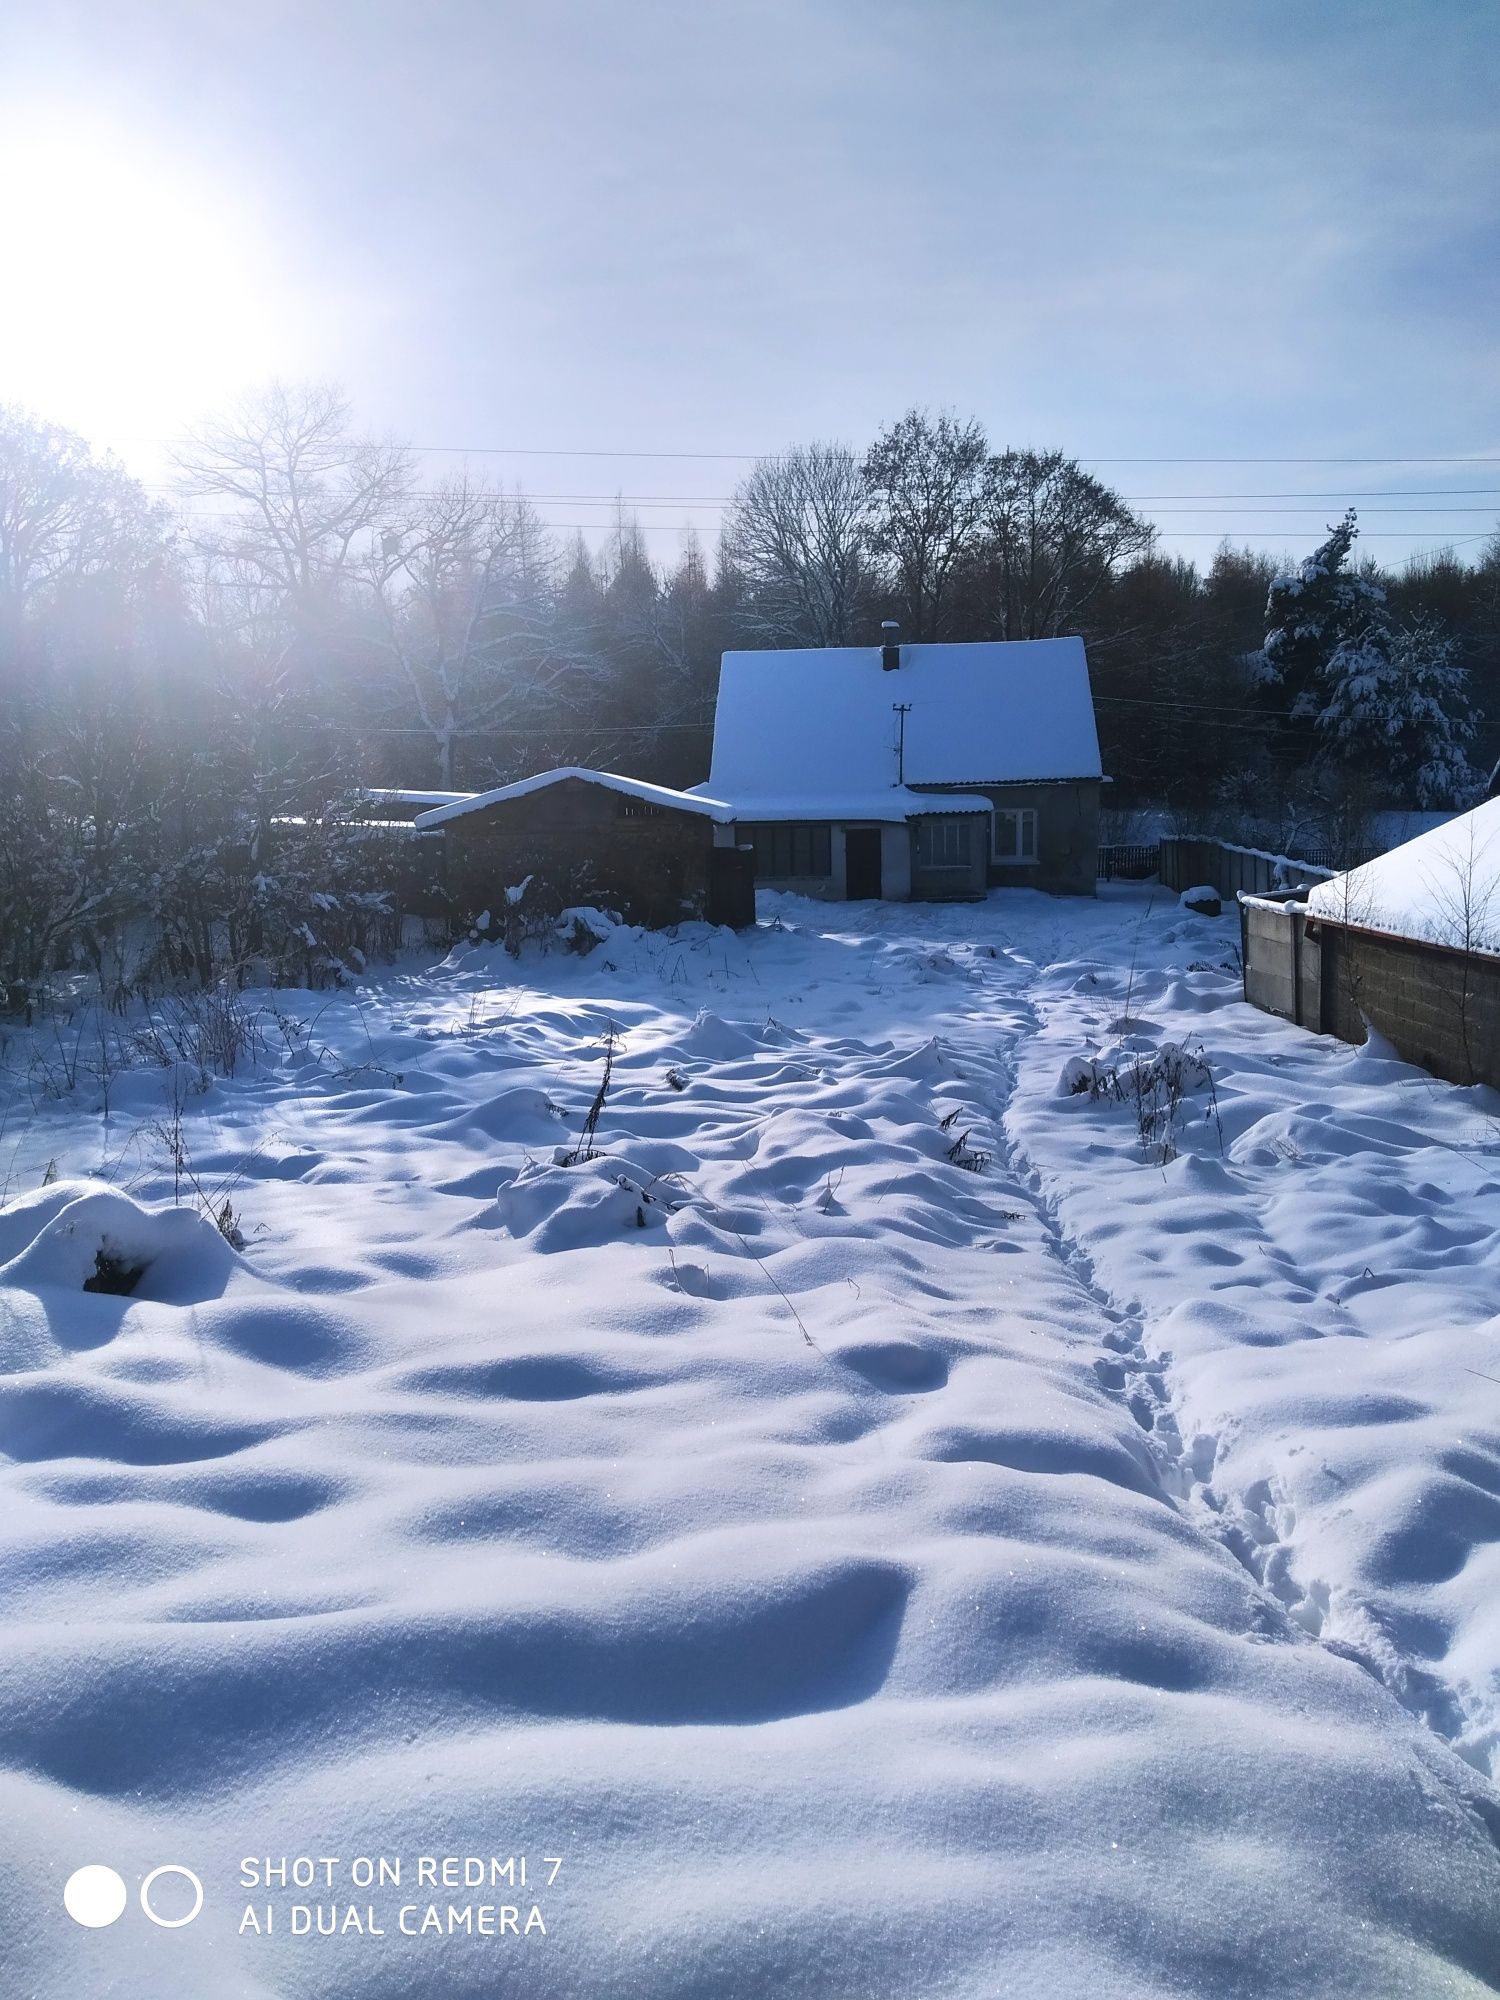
x: 821, y: 723
x: 896, y: 802
x: 1443, y: 887
x: 403, y: 795
x: 635, y: 788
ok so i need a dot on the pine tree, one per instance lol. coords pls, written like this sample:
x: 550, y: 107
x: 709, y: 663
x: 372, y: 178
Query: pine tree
x: 1311, y: 612
x: 1396, y: 712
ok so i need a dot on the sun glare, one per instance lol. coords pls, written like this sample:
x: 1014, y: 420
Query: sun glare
x: 135, y: 295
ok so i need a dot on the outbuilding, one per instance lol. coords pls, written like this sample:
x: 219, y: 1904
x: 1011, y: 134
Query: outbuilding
x: 580, y: 837
x: 1407, y: 945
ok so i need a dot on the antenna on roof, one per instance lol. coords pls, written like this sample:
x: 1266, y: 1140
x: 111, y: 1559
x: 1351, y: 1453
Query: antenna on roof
x: 901, y: 709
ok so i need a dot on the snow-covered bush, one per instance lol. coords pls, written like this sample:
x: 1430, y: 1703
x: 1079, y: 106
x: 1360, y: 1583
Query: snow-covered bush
x: 1154, y: 1086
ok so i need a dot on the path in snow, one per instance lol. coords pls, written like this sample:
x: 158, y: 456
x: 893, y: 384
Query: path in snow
x: 774, y: 1517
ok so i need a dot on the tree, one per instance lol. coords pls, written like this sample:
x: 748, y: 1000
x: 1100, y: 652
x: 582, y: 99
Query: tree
x: 462, y: 598
x: 1396, y: 712
x: 794, y: 534
x: 307, y: 504
x: 1311, y: 611
x: 68, y: 520
x: 928, y: 482
x: 1053, y: 536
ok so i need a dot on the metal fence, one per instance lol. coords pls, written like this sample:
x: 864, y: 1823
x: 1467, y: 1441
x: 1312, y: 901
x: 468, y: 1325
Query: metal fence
x: 1124, y: 861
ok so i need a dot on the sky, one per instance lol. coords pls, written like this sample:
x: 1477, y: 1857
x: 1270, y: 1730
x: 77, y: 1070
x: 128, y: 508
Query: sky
x: 635, y: 246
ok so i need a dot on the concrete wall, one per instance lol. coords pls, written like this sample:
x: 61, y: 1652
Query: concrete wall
x: 1440, y: 1009
x: 1283, y: 966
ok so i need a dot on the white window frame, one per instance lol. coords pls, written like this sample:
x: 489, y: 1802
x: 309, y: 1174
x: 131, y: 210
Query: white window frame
x: 1025, y: 835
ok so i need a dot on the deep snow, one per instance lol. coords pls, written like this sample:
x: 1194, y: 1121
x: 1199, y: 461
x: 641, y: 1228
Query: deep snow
x: 888, y: 1528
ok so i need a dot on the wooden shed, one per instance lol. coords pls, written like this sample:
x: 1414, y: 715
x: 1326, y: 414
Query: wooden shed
x: 581, y: 837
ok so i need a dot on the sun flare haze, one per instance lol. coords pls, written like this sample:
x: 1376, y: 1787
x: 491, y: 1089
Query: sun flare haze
x: 137, y: 291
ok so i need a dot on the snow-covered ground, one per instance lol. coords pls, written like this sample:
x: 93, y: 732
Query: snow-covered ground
x: 887, y: 1526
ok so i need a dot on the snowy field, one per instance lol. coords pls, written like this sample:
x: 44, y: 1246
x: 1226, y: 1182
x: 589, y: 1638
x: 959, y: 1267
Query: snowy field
x: 887, y: 1524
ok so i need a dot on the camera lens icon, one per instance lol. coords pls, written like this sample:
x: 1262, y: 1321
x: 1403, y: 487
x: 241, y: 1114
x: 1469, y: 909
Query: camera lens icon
x: 96, y: 1896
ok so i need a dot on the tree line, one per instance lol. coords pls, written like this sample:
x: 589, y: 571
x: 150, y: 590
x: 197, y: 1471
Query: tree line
x: 190, y: 686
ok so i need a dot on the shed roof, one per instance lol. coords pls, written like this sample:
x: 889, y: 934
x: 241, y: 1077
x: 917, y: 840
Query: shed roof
x: 406, y: 795
x: 896, y: 802
x: 821, y: 722
x: 635, y: 788
x: 1441, y: 888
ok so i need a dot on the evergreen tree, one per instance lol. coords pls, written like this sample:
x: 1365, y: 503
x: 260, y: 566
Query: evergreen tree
x: 1396, y: 712
x: 1312, y: 611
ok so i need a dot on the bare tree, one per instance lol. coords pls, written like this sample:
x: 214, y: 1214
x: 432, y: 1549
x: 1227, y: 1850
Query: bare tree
x: 65, y: 517
x: 794, y: 538
x: 302, y: 502
x: 928, y: 481
x: 1463, y: 892
x: 1053, y: 535
x: 461, y: 596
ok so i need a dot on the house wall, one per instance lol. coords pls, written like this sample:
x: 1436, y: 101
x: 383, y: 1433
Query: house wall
x: 583, y: 844
x: 947, y: 885
x: 895, y: 864
x: 1067, y: 825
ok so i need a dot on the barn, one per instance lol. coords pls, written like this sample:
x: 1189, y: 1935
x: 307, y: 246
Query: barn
x: 580, y: 837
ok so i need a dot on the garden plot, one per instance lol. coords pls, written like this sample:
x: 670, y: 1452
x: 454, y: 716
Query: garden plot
x: 840, y: 1491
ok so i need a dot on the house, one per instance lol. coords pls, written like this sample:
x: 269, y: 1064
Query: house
x: 912, y: 771
x: 1407, y: 945
x: 577, y: 836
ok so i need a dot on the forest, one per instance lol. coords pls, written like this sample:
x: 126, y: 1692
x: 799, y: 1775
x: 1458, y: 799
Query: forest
x: 198, y: 688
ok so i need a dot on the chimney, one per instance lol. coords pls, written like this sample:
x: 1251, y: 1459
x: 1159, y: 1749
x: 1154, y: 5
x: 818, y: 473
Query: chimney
x: 890, y: 646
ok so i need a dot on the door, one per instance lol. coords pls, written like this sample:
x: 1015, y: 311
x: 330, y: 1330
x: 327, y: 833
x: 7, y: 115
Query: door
x: 862, y: 863
x: 731, y: 886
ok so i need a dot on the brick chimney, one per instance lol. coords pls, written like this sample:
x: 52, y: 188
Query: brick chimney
x: 890, y: 645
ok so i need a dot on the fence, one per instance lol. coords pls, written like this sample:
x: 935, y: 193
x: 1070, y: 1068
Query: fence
x: 1439, y: 1007
x: 1185, y: 863
x: 1124, y: 862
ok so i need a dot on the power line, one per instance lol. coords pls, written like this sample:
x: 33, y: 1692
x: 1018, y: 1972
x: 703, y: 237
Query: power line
x: 607, y: 451
x: 726, y: 499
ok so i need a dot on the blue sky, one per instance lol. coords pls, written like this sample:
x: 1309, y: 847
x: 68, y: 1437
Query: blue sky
x: 1136, y: 232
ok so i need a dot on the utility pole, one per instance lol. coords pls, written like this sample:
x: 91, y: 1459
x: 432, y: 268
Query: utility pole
x: 901, y: 709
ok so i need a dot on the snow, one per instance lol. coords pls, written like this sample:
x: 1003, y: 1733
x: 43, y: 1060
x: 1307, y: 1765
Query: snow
x: 819, y: 723
x: 887, y: 1526
x: 634, y: 788
x: 896, y: 803
x: 404, y: 795
x: 1442, y: 888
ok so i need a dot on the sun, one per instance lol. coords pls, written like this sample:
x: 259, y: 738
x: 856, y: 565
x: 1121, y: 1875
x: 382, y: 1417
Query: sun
x: 135, y: 294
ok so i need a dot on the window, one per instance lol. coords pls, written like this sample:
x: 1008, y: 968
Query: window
x: 1015, y: 834
x: 791, y: 850
x: 943, y: 843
